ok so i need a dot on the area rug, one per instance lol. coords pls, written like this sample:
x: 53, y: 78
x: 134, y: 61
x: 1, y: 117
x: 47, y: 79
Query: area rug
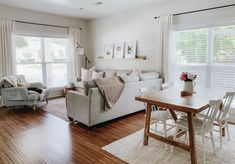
x: 57, y: 107
x: 131, y: 150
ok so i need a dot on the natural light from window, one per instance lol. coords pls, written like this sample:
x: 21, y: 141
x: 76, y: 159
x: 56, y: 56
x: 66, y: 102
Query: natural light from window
x: 42, y: 60
x: 208, y: 52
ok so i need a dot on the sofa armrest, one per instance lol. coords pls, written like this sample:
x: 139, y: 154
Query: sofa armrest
x: 16, y: 93
x: 78, y: 106
x: 37, y: 85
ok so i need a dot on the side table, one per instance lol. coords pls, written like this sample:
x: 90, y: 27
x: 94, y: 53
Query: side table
x: 66, y: 89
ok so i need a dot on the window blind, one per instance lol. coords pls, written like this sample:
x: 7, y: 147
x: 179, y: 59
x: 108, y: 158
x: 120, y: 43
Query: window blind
x: 209, y: 53
x: 38, y: 30
x: 191, y: 46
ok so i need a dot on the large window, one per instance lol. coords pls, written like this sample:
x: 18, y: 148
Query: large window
x: 42, y: 60
x: 208, y: 52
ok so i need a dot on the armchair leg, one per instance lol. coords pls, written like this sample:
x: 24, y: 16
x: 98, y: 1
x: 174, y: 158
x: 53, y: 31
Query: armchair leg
x: 46, y: 101
x: 8, y: 108
x: 34, y: 108
x: 70, y: 119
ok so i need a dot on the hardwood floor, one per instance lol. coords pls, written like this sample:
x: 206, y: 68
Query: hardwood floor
x: 39, y: 137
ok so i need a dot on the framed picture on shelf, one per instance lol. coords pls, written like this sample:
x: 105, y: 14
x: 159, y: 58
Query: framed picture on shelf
x: 118, y: 50
x: 130, y: 50
x: 108, y: 51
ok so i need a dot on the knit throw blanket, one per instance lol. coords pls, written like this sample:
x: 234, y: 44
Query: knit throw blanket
x: 111, y: 88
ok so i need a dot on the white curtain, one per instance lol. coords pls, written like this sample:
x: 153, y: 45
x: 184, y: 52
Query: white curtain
x: 75, y: 58
x: 7, y: 54
x: 164, y: 47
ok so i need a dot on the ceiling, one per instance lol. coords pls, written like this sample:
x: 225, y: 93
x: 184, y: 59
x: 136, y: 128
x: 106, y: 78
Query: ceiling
x: 80, y: 8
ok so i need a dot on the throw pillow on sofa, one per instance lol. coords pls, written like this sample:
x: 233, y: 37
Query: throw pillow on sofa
x: 96, y: 75
x: 130, y: 78
x: 87, y: 74
x: 149, y: 76
x: 121, y: 72
x: 135, y: 72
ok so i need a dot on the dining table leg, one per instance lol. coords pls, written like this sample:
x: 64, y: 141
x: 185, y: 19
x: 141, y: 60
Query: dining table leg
x: 192, y: 138
x: 147, y: 124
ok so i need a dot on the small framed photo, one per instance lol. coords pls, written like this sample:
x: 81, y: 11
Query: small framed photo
x: 130, y: 50
x: 118, y: 50
x: 108, y: 51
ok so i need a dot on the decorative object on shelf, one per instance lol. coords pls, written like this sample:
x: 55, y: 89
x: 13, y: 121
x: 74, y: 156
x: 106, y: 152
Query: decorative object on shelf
x: 81, y: 51
x: 141, y: 57
x: 189, y: 82
x: 118, y: 50
x: 108, y: 51
x: 130, y: 50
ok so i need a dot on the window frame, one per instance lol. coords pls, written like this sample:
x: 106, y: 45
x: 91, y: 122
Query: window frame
x: 209, y: 65
x: 43, y: 62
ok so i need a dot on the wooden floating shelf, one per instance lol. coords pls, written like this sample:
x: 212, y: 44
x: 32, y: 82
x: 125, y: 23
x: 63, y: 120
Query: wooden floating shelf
x: 122, y: 58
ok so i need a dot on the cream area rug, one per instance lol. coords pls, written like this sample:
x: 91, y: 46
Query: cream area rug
x: 131, y: 150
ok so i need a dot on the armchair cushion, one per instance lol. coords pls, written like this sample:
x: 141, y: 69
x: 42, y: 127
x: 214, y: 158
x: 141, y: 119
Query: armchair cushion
x: 33, y: 96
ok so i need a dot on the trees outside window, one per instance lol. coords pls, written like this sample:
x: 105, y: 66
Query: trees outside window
x: 208, y: 52
x: 43, y: 60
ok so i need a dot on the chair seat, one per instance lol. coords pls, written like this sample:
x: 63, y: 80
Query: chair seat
x: 160, y: 115
x: 183, y: 123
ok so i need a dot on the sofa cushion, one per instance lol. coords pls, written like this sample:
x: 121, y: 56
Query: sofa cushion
x: 122, y: 72
x: 87, y: 85
x: 149, y: 76
x: 86, y: 74
x: 109, y: 73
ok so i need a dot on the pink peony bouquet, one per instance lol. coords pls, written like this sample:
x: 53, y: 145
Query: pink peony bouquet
x: 187, y: 76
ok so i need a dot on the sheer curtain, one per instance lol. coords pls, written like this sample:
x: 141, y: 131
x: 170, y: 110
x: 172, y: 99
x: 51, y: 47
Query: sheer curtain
x: 75, y: 58
x: 164, y: 47
x: 7, y: 64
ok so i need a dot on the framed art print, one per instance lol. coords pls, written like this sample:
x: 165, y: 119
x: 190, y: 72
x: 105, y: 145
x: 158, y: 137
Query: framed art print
x: 108, y: 51
x: 118, y: 50
x: 130, y: 50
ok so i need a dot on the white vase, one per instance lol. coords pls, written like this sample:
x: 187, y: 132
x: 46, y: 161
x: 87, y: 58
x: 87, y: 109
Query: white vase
x: 189, y: 86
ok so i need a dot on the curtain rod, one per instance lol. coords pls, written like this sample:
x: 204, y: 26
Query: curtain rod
x: 195, y: 11
x: 42, y: 24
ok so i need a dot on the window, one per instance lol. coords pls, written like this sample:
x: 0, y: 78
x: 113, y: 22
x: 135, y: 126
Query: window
x: 42, y: 60
x: 208, y: 52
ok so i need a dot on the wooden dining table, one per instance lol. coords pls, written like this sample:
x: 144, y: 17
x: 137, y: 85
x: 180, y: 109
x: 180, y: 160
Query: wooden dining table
x: 172, y: 100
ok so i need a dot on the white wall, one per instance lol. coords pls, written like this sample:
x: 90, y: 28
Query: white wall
x: 140, y: 25
x: 39, y: 17
x: 44, y: 18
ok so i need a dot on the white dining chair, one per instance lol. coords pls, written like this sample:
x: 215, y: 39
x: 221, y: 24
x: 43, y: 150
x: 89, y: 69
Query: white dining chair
x: 202, y: 126
x: 157, y: 115
x: 222, y: 118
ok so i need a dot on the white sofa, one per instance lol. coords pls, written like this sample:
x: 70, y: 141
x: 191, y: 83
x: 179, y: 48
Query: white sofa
x: 89, y: 110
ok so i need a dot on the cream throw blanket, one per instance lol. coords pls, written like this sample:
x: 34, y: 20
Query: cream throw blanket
x: 111, y: 88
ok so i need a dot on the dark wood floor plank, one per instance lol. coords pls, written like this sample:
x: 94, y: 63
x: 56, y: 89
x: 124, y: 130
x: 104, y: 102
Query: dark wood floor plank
x: 39, y: 137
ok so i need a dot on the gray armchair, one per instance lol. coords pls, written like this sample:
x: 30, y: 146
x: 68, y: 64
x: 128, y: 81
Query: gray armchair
x: 14, y: 94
